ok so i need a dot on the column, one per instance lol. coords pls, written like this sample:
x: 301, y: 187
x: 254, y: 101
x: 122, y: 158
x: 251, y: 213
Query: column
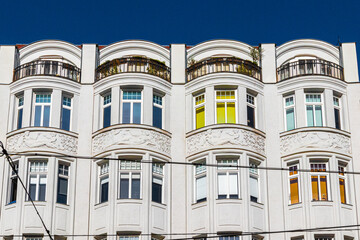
x: 148, y: 105
x: 27, y: 107
x: 300, y: 117
x: 115, y: 105
x: 242, y: 106
x: 209, y: 105
x: 329, y: 109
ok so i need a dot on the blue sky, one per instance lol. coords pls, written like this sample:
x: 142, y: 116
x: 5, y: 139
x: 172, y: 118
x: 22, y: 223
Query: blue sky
x: 190, y: 22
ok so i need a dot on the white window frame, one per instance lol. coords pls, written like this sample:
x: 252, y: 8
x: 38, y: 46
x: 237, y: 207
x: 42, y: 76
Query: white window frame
x: 36, y: 237
x: 226, y: 101
x: 42, y: 107
x: 289, y: 107
x: 18, y: 108
x: 252, y: 105
x: 196, y: 106
x: 344, y: 167
x: 290, y: 177
x: 12, y: 175
x: 38, y: 175
x: 132, y: 101
x: 254, y: 173
x: 200, y: 171
x: 103, y: 174
x: 224, y: 169
x: 159, y: 174
x: 128, y: 237
x: 103, y: 106
x: 67, y: 107
x: 64, y: 176
x: 318, y: 174
x: 162, y: 107
x: 338, y: 107
x: 313, y: 104
x: 130, y: 167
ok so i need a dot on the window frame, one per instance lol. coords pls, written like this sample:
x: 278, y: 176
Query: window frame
x: 320, y: 174
x: 63, y: 176
x: 158, y: 175
x: 200, y: 105
x: 104, y: 106
x: 225, y: 169
x: 137, y: 170
x: 253, y: 164
x: 162, y: 107
x: 235, y: 100
x: 132, y: 101
x: 293, y: 176
x: 198, y: 175
x: 343, y: 167
x: 19, y: 124
x: 251, y: 105
x: 289, y: 107
x: 10, y: 189
x: 339, y: 108
x: 70, y: 108
x: 103, y: 175
x: 42, y: 105
x: 38, y: 175
x: 314, y: 104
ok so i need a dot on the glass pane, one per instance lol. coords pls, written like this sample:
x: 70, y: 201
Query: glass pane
x: 37, y: 120
x: 290, y: 119
x: 20, y: 116
x: 201, y: 189
x: 250, y: 117
x: 294, y: 190
x: 222, y: 185
x: 337, y: 118
x: 104, y: 191
x: 42, y: 188
x: 323, y: 187
x: 65, y: 119
x: 200, y: 117
x: 124, y: 188
x: 315, y: 188
x: 107, y: 117
x: 233, y: 184
x: 310, y: 116
x: 342, y: 190
x: 62, y: 190
x: 231, y: 118
x: 137, y: 113
x: 254, y: 189
x: 135, y: 189
x: 46, y: 119
x: 156, y: 192
x: 126, y: 113
x: 13, y: 190
x: 220, y: 112
x: 318, y: 116
x: 157, y: 117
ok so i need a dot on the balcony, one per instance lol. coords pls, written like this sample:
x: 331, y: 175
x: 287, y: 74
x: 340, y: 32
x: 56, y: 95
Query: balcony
x: 223, y: 64
x: 310, y: 67
x: 133, y: 65
x: 47, y: 68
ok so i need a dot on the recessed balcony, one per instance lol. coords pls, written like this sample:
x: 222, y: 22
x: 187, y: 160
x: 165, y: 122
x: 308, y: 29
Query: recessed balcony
x: 310, y: 67
x: 223, y: 64
x: 47, y: 68
x: 133, y: 65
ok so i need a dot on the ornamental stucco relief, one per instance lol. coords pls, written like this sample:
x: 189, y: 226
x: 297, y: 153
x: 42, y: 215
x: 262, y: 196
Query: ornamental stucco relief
x: 302, y: 141
x: 31, y: 140
x: 236, y: 138
x: 135, y: 137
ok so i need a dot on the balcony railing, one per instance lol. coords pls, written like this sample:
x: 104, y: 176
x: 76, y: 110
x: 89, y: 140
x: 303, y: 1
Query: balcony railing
x: 310, y: 67
x: 47, y: 68
x: 133, y: 65
x: 223, y: 64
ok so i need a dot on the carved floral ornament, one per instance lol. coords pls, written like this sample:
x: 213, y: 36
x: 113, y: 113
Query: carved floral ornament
x: 39, y: 140
x: 142, y: 138
x: 231, y: 137
x: 303, y: 141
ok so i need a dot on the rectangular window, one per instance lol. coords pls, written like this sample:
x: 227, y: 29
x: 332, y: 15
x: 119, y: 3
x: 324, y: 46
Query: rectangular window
x: 34, y: 238
x: 106, y: 110
x: 131, y: 111
x: 103, y: 182
x: 228, y: 179
x: 319, y: 181
x: 342, y: 183
x: 289, y: 103
x: 199, y: 111
x: 254, y: 182
x: 130, y: 179
x: 200, y: 182
x: 251, y: 110
x: 324, y: 238
x: 157, y: 182
x: 337, y: 112
x: 42, y: 109
x: 157, y: 111
x: 63, y: 179
x: 294, y: 184
x: 232, y: 237
x: 314, y: 114
x: 37, y: 180
x: 128, y: 237
x: 20, y: 104
x: 13, y: 183
x: 225, y: 107
x: 66, y: 113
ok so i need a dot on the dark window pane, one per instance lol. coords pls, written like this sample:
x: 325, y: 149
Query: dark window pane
x: 201, y: 200
x: 135, y: 189
x: 126, y: 113
x: 124, y: 188
x: 234, y: 196
x: 37, y: 116
x: 250, y: 117
x: 65, y: 119
x: 221, y: 196
x: 62, y: 190
x: 156, y: 192
x: 20, y: 116
x: 104, y: 192
x: 32, y: 191
x: 253, y: 199
x: 337, y: 118
x: 137, y: 113
x: 107, y: 117
x: 157, y: 117
x: 13, y: 190
x: 46, y: 119
x: 42, y: 191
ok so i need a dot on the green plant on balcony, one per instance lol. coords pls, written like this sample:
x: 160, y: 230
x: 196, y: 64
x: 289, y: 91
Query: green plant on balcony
x: 244, y: 69
x: 256, y: 54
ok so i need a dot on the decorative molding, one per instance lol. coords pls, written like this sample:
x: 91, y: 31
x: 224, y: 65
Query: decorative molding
x: 315, y: 140
x: 225, y: 137
x: 132, y: 137
x: 42, y: 140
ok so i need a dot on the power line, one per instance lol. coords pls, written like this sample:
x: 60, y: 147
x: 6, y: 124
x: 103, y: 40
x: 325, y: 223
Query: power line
x: 12, y: 165
x: 178, y: 163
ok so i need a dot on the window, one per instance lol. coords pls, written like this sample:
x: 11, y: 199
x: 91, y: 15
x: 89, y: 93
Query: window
x: 106, y: 110
x: 20, y: 104
x: 289, y: 103
x: 42, y: 109
x: 128, y: 237
x: 199, y: 111
x: 342, y: 183
x: 294, y: 184
x: 157, y: 182
x: 251, y: 110
x: 66, y: 113
x: 225, y: 107
x: 228, y: 179
x: 103, y: 182
x: 254, y: 182
x: 37, y: 180
x: 337, y: 112
x: 319, y: 183
x: 13, y: 182
x: 324, y: 238
x: 34, y: 238
x: 314, y: 110
x: 63, y: 179
x: 131, y: 107
x: 233, y: 237
x: 130, y: 176
x: 157, y: 111
x: 200, y: 182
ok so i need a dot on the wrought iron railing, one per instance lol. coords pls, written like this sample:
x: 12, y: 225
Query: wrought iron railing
x: 133, y: 65
x: 223, y: 64
x: 47, y: 68
x: 310, y: 67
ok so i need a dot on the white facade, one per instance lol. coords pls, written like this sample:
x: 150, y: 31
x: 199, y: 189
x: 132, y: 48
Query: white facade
x: 297, y: 107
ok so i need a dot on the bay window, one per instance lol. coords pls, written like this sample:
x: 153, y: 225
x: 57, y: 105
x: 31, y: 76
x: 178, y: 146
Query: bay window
x: 226, y: 106
x: 251, y: 110
x: 131, y: 107
x: 130, y: 179
x: 13, y: 183
x: 289, y: 104
x: 37, y: 180
x: 63, y: 179
x: 106, y: 110
x: 157, y: 182
x: 157, y: 111
x: 199, y: 110
x: 314, y: 113
x: 42, y: 108
x: 228, y: 179
x: 20, y: 107
x: 294, y: 184
x: 342, y: 183
x: 66, y: 113
x: 319, y: 181
x: 337, y: 112
x: 254, y: 178
x: 103, y: 182
x: 200, y: 182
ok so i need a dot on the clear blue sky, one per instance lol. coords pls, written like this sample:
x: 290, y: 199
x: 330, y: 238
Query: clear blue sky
x: 190, y: 22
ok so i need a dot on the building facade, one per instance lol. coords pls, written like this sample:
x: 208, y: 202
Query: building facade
x: 180, y: 142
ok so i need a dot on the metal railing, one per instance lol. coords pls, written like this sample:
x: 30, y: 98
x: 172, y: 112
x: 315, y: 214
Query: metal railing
x: 223, y: 64
x: 47, y: 68
x: 133, y: 65
x: 310, y: 67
